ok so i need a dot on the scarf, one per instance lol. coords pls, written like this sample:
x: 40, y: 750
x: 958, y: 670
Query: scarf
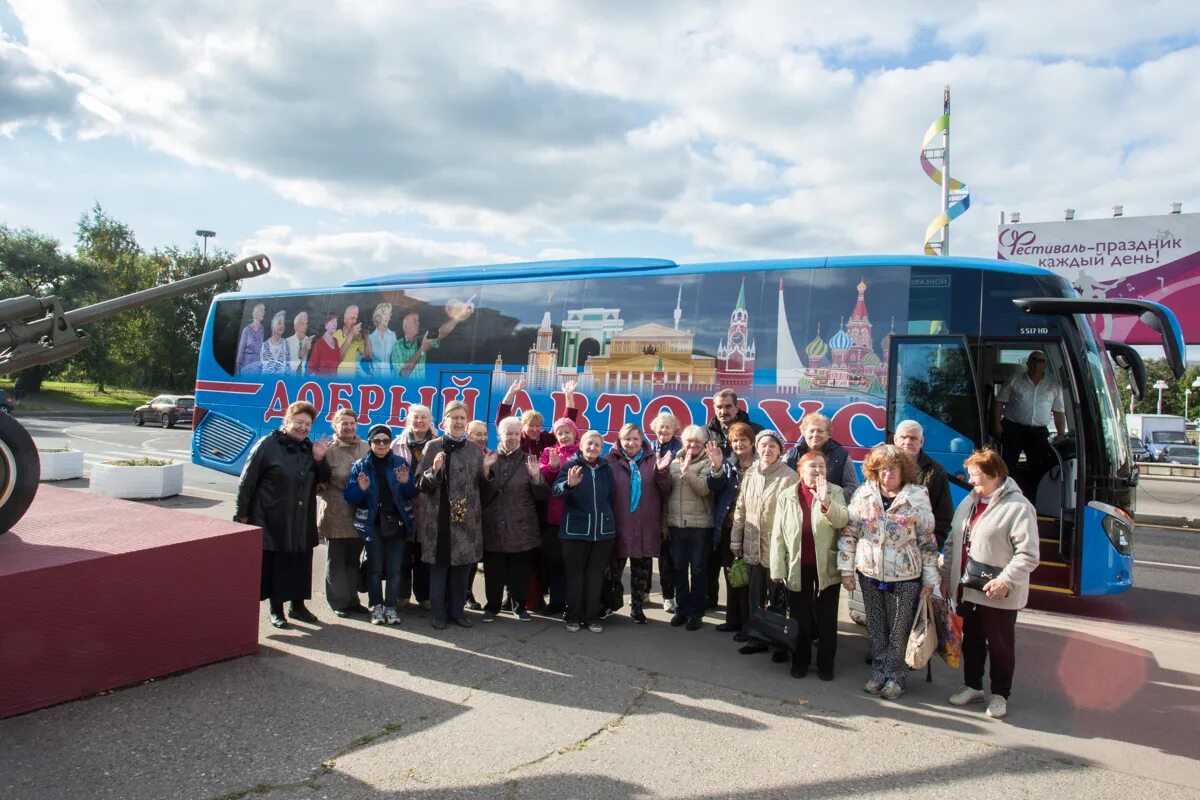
x: 635, y: 476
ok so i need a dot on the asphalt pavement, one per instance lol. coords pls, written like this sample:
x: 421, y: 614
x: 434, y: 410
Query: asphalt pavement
x: 343, y: 709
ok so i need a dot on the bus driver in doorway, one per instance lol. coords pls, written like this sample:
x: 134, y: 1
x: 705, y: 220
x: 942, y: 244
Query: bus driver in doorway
x: 408, y: 354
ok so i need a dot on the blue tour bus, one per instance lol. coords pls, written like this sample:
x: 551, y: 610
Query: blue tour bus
x: 867, y: 341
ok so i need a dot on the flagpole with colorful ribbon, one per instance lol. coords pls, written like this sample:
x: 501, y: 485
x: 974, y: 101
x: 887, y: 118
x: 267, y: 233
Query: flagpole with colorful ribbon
x: 956, y: 197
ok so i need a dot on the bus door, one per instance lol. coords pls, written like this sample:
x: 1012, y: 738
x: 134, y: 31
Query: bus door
x: 1053, y: 485
x: 932, y: 379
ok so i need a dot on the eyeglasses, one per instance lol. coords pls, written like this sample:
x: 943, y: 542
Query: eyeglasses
x: 381, y: 441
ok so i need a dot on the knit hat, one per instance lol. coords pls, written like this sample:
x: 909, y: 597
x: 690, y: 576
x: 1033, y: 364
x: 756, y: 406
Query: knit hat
x: 565, y: 422
x: 776, y: 435
x: 381, y: 428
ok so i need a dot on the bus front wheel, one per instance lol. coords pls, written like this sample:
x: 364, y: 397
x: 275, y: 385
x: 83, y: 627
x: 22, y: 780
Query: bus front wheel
x: 20, y: 469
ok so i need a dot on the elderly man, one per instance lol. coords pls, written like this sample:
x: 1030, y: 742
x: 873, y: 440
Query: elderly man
x: 1021, y: 417
x: 910, y: 437
x: 725, y: 413
x: 817, y: 430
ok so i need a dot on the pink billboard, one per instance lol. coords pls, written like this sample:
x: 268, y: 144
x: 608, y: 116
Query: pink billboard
x: 1142, y: 258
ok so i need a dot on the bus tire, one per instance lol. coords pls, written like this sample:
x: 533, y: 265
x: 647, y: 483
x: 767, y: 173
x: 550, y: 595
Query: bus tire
x: 20, y: 470
x: 858, y: 611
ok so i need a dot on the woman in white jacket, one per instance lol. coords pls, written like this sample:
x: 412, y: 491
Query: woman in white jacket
x: 995, y: 527
x: 889, y: 543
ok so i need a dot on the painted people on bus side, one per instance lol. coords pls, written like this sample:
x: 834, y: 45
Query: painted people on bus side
x: 352, y: 345
x: 273, y: 358
x: 382, y: 339
x: 299, y: 344
x: 250, y: 342
x: 326, y: 354
x: 408, y: 354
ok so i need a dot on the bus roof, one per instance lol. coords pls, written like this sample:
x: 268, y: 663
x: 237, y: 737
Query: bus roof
x: 614, y: 267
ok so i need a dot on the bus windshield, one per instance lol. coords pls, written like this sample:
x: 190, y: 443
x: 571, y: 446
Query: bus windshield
x: 1103, y: 384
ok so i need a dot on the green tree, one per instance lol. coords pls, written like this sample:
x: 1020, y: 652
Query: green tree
x: 1172, y: 397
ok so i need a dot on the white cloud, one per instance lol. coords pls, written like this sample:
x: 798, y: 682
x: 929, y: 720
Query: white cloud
x: 744, y: 129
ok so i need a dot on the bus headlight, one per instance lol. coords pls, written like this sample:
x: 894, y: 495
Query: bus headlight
x: 1120, y: 533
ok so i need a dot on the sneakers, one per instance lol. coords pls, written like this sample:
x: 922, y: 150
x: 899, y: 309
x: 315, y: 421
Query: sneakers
x: 391, y: 617
x: 595, y: 627
x: 873, y: 686
x: 378, y: 615
x: 489, y: 616
x: 573, y: 627
x: 522, y: 615
x: 472, y: 604
x: 637, y: 615
x: 669, y: 605
x: 966, y: 695
x: 997, y: 707
x: 891, y: 691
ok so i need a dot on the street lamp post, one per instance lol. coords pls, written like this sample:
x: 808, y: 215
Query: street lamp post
x: 206, y: 235
x: 1160, y: 385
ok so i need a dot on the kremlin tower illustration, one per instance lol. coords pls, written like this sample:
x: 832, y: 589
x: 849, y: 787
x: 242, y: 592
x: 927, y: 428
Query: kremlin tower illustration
x: 735, y: 356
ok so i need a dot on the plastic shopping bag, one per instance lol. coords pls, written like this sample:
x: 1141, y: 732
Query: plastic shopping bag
x: 949, y: 632
x: 739, y: 575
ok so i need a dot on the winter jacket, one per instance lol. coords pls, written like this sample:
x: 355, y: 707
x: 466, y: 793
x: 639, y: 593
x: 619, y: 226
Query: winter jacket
x: 754, y: 512
x: 639, y: 533
x: 335, y: 517
x: 838, y: 465
x: 937, y: 483
x: 277, y: 492
x: 690, y: 503
x: 1006, y: 535
x: 554, y: 507
x: 510, y: 512
x: 544, y: 439
x: 366, y: 502
x: 463, y: 481
x: 587, y: 513
x: 717, y: 430
x: 724, y: 487
x: 892, y: 545
x: 787, y: 537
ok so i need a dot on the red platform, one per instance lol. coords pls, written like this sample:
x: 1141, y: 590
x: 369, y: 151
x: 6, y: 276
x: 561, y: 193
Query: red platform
x: 98, y: 593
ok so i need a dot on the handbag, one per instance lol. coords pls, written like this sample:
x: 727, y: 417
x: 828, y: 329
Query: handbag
x: 390, y: 525
x: 977, y: 574
x: 775, y: 629
x: 612, y: 594
x: 739, y: 574
x: 922, y: 639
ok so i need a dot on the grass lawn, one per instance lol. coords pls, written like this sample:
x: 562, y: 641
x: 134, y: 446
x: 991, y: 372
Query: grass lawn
x: 62, y: 396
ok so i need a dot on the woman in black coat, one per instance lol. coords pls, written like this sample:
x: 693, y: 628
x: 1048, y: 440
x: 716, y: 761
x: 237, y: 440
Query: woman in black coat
x: 278, y: 492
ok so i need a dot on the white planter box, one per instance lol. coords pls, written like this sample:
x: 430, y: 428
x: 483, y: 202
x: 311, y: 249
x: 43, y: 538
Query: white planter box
x: 137, y: 483
x: 61, y: 465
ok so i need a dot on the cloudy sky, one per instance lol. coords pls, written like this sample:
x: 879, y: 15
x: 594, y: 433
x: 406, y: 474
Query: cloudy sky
x: 355, y: 138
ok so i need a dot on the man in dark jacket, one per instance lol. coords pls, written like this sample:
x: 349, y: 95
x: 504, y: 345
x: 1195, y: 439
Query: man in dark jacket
x: 816, y: 430
x: 910, y: 437
x: 725, y: 413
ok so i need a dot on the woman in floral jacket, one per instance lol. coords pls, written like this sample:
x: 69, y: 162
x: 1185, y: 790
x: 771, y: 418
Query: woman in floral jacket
x: 889, y: 543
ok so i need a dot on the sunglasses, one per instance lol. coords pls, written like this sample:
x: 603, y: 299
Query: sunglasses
x: 379, y: 440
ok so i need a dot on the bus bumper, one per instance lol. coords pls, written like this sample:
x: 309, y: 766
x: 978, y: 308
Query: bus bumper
x: 1106, y: 555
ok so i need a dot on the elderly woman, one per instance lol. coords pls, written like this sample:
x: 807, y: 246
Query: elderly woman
x: 511, y: 531
x: 551, y: 461
x: 273, y: 358
x: 449, y: 520
x: 335, y: 518
x: 665, y: 428
x: 326, y: 354
x: 889, y: 542
x: 278, y: 492
x: 641, y: 483
x: 689, y: 523
x: 380, y: 485
x: 382, y: 339
x: 588, y: 530
x: 250, y: 342
x: 817, y: 430
x: 753, y: 517
x: 725, y: 482
x: 994, y: 529
x: 410, y: 444
x: 533, y: 438
x: 804, y: 538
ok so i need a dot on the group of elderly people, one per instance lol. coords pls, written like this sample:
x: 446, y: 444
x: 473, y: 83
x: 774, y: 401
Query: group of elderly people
x: 555, y: 520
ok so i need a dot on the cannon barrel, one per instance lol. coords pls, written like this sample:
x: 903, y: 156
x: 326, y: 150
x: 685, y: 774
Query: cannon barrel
x: 37, y: 330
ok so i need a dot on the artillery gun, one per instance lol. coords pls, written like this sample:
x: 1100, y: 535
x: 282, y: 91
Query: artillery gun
x: 36, y: 330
